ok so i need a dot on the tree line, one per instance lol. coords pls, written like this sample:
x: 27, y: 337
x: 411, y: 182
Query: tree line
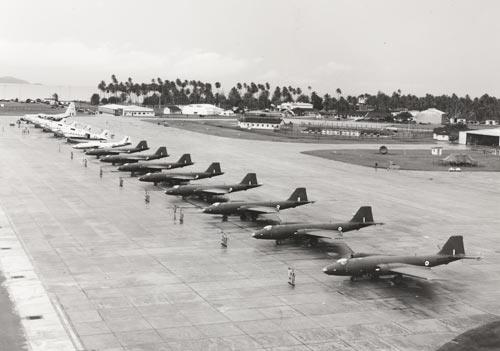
x: 261, y: 96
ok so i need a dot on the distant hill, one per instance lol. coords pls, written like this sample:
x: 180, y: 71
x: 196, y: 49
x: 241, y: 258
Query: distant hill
x: 12, y: 80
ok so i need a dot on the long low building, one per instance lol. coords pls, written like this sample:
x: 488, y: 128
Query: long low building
x: 259, y: 122
x: 483, y: 137
x: 127, y: 110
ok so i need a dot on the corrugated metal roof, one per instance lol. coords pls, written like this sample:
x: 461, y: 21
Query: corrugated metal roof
x: 490, y: 132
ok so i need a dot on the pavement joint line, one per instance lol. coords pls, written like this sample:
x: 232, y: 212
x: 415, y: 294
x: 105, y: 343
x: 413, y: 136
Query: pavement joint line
x: 33, y: 340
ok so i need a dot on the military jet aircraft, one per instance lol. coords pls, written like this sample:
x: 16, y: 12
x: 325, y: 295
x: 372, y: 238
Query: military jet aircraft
x: 359, y: 265
x: 312, y: 232
x: 208, y: 192
x: 121, y: 159
x: 173, y: 178
x: 100, y: 144
x: 142, y: 146
x: 251, y: 210
x: 150, y: 167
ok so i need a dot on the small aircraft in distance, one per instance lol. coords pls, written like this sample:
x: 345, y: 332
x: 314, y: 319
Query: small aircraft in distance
x: 251, y: 210
x: 150, y: 167
x: 172, y: 178
x: 358, y: 265
x: 312, y: 232
x: 209, y: 192
x: 70, y: 111
x: 100, y: 144
x: 142, y: 146
x: 122, y: 159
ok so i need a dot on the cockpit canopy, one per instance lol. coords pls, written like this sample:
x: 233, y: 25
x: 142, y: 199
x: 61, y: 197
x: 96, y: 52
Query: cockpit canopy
x: 342, y: 261
x: 216, y: 204
x: 268, y: 227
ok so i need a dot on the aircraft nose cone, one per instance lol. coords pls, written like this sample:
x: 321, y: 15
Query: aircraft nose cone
x: 207, y: 210
x: 254, y: 235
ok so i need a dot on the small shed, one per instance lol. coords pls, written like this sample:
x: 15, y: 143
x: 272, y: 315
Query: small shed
x: 436, y: 150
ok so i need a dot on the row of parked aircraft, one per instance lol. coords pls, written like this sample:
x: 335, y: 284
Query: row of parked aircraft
x: 58, y: 125
x: 150, y: 168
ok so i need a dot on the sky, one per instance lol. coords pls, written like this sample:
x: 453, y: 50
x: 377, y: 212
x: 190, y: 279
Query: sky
x: 422, y: 46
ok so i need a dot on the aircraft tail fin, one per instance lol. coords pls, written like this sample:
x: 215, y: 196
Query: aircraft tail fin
x: 185, y: 159
x: 298, y: 195
x: 71, y: 110
x: 250, y: 179
x: 454, y: 246
x: 214, y: 168
x: 363, y: 215
x: 143, y: 144
x: 162, y: 151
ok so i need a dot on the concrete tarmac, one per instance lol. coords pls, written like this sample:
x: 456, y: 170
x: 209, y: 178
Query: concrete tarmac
x: 127, y: 276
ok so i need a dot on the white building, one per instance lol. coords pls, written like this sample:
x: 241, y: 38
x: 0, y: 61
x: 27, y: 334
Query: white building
x: 484, y: 137
x: 295, y: 108
x: 441, y: 136
x: 258, y: 122
x: 429, y: 116
x: 200, y: 109
x: 127, y: 110
x: 491, y: 122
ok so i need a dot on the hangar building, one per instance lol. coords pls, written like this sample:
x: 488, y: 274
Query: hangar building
x: 127, y: 110
x: 429, y: 116
x: 484, y: 137
x: 200, y: 109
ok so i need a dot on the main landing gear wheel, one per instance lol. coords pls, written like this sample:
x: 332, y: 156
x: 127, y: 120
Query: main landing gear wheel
x: 279, y: 242
x: 353, y: 278
x: 224, y: 218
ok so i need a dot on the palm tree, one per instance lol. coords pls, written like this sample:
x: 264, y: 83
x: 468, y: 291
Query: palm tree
x: 102, y: 86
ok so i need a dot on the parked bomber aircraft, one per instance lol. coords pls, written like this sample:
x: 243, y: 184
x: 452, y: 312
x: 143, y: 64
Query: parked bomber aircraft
x: 142, y: 146
x: 173, y: 178
x: 251, y: 210
x: 150, y: 167
x: 121, y: 159
x: 312, y: 232
x: 358, y: 265
x: 208, y: 192
x: 70, y: 111
x: 100, y: 144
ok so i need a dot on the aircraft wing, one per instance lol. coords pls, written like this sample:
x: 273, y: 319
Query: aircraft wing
x: 213, y: 191
x: 414, y: 271
x: 319, y: 233
x: 182, y: 178
x: 155, y: 166
x: 259, y: 209
x: 138, y: 157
